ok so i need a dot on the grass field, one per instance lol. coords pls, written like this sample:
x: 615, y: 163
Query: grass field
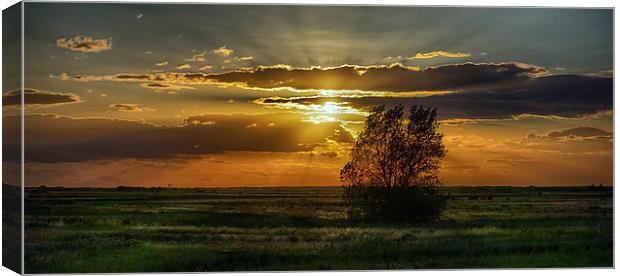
x: 242, y: 229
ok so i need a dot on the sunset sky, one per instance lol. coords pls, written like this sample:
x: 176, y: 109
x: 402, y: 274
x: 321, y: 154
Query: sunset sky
x: 204, y: 95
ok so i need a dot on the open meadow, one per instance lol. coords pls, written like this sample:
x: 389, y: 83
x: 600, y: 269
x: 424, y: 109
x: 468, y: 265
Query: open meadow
x: 243, y: 229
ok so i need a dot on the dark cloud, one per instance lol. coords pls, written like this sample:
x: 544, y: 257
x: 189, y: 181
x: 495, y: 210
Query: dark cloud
x: 165, y: 86
x: 595, y: 137
x: 395, y: 78
x: 38, y: 97
x: 580, y: 132
x: 562, y: 95
x: 157, y: 85
x: 577, y: 133
x: 330, y: 154
x: 480, y: 90
x: 128, y: 107
x: 52, y: 138
x: 392, y: 78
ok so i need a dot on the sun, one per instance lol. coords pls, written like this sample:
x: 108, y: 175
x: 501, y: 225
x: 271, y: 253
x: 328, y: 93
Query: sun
x: 330, y: 107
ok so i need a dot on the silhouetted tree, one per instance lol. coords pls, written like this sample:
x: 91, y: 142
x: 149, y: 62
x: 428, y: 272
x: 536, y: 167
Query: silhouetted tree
x: 392, y: 174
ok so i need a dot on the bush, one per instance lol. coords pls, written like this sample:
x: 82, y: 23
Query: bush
x: 401, y: 204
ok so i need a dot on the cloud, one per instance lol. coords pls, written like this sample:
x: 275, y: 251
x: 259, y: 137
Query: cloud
x: 603, y: 73
x: 223, y: 51
x: 162, y: 63
x: 62, y: 76
x: 127, y: 107
x: 395, y: 78
x: 248, y: 58
x: 38, y: 97
x: 84, y: 44
x: 435, y: 54
x: 197, y: 57
x: 539, y: 161
x: 64, y: 139
x: 468, y: 90
x: 205, y: 68
x: 330, y: 154
x: 559, y: 95
x: 577, y: 133
x: 164, y: 86
x: 391, y: 78
x: 316, y: 109
x: 580, y: 132
x: 184, y: 66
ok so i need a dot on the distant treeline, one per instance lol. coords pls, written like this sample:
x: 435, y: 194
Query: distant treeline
x: 474, y: 190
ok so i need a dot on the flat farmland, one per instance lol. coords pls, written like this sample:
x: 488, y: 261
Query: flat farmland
x: 275, y: 229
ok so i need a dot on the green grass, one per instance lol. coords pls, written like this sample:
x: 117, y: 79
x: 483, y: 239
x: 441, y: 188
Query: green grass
x: 11, y: 227
x: 243, y: 229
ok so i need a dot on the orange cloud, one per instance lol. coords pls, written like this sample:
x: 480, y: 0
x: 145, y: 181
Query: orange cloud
x: 248, y: 58
x: 223, y: 51
x: 491, y: 160
x: 435, y: 54
x: 84, y: 44
x: 184, y: 66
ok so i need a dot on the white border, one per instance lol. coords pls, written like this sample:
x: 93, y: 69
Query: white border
x: 480, y: 3
x: 22, y: 136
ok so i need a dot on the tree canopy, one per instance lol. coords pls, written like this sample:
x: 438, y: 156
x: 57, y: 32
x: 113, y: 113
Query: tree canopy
x: 393, y: 170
